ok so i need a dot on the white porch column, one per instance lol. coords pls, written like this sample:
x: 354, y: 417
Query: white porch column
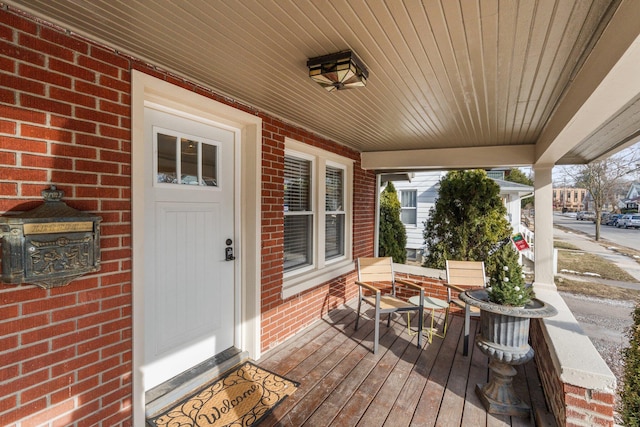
x: 543, y: 245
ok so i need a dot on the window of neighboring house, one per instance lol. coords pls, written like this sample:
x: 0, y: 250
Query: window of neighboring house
x: 409, y: 207
x: 317, y: 216
x: 495, y: 174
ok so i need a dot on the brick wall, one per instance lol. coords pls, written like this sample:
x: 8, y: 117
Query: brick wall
x: 573, y: 406
x: 64, y: 103
x: 282, y: 318
x: 432, y: 287
x: 65, y: 119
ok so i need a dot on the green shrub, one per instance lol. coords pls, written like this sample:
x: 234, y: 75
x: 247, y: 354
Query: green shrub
x: 630, y: 389
x: 393, y: 235
x: 467, y: 222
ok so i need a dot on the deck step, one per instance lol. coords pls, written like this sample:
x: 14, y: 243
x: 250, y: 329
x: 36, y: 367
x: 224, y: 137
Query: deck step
x: 173, y: 391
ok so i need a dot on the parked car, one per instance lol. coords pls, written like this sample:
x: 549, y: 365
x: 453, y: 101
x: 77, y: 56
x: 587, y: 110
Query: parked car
x: 612, y: 219
x: 585, y: 216
x: 629, y: 221
x: 621, y: 221
x: 603, y: 217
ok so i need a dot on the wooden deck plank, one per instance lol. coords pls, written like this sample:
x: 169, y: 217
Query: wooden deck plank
x: 310, y: 340
x: 387, y: 372
x: 521, y: 388
x: 364, y: 377
x: 360, y: 359
x: 404, y: 407
x: 538, y: 403
x: 315, y: 368
x: 344, y: 384
x: 455, y: 393
x: 427, y: 411
x: 379, y: 410
x: 473, y: 413
x: 336, y: 401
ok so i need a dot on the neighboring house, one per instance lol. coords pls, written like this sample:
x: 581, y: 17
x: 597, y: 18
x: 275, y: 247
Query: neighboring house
x: 418, y: 195
x: 634, y: 191
x: 631, y: 201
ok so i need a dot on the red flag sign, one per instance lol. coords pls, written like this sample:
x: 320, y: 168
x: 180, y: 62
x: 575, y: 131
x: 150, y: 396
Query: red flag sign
x: 519, y: 241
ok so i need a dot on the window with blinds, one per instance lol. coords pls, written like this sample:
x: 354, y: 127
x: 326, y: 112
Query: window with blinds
x: 334, y: 212
x: 409, y: 207
x: 318, y: 217
x: 298, y: 213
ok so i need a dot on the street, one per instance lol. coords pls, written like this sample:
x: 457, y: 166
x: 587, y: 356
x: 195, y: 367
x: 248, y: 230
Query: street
x: 629, y: 238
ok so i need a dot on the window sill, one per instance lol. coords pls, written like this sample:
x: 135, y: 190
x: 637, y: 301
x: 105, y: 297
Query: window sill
x: 310, y: 279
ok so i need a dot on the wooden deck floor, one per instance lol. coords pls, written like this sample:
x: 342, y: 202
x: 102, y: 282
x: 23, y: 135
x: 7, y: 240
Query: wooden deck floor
x: 344, y: 384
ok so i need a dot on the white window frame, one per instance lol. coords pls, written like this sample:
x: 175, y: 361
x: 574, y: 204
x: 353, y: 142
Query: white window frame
x: 321, y: 270
x: 343, y: 211
x: 313, y: 210
x: 415, y: 208
x: 179, y: 136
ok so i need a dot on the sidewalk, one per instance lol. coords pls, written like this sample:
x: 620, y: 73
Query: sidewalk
x: 586, y: 244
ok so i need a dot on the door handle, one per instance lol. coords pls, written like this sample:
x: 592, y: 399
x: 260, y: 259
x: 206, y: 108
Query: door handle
x: 228, y: 251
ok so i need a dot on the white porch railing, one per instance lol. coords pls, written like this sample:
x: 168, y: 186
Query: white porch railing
x: 529, y: 237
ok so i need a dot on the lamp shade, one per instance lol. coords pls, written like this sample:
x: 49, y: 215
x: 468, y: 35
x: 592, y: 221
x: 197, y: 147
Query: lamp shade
x: 336, y: 71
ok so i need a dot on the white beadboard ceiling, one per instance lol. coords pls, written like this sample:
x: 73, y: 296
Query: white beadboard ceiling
x: 446, y: 77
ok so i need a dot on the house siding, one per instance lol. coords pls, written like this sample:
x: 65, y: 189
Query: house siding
x: 426, y: 184
x: 65, y: 108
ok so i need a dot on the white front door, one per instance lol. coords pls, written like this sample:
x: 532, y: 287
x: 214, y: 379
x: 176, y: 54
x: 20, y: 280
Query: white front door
x: 189, y: 283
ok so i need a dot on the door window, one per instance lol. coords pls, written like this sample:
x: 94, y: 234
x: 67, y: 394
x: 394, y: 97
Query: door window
x: 185, y: 160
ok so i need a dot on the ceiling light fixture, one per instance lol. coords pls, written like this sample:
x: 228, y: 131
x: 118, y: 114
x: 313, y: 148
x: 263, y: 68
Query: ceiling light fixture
x: 189, y: 148
x: 336, y: 71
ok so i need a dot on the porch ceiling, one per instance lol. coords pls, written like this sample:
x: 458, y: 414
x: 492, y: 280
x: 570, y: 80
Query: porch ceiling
x: 451, y: 84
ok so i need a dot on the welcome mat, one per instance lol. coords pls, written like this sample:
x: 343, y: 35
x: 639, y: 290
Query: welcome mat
x: 242, y: 397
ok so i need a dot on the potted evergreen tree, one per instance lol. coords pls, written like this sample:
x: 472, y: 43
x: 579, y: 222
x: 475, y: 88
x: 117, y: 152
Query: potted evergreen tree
x: 468, y: 222
x: 506, y: 307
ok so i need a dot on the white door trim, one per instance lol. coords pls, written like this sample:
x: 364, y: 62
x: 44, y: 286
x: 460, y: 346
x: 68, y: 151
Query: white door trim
x: 147, y: 89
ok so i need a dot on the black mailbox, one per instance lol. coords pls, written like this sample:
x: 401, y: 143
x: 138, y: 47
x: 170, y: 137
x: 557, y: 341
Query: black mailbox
x: 50, y: 245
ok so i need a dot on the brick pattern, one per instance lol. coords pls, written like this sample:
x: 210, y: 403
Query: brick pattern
x: 283, y: 318
x: 573, y: 406
x: 65, y: 108
x: 65, y: 119
x: 432, y: 287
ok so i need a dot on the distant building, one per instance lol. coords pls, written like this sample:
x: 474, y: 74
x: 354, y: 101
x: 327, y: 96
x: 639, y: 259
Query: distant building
x: 570, y: 199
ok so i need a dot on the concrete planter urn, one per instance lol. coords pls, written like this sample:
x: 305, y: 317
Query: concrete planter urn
x: 504, y: 337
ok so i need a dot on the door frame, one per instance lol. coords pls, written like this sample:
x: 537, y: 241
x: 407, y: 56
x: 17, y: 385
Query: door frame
x: 148, y: 90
